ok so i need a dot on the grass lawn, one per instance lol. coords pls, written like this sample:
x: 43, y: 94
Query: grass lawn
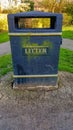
x: 4, y: 37
x: 67, y: 32
x: 66, y: 28
x: 5, y: 64
x: 65, y: 62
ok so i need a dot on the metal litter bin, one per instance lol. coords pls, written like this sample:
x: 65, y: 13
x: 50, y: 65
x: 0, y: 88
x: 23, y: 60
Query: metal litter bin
x: 35, y: 39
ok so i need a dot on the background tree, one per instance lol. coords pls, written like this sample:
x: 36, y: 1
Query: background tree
x: 0, y: 8
x: 15, y: 2
x: 31, y: 5
x: 69, y: 10
x: 53, y: 6
x: 22, y: 7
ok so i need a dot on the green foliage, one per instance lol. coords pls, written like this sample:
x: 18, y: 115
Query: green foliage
x: 3, y: 22
x: 66, y: 19
x: 69, y: 10
x: 10, y: 10
x: 27, y: 5
x: 23, y: 8
x: 31, y: 5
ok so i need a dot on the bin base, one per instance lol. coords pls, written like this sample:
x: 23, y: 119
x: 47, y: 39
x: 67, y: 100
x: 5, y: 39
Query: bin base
x: 34, y: 88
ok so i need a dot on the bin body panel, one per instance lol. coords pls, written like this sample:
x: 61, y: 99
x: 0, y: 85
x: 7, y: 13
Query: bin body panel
x: 35, y: 57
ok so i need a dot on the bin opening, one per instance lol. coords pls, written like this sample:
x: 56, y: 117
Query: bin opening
x: 33, y: 23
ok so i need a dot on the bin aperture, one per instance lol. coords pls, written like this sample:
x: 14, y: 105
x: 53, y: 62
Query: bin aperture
x: 35, y: 39
x: 22, y: 23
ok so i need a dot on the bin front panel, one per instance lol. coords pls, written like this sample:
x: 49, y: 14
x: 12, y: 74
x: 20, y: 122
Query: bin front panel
x: 35, y: 51
x: 35, y: 55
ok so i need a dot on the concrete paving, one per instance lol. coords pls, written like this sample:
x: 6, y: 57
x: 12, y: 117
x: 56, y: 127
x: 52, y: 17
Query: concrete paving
x: 5, y: 47
x: 67, y: 43
x: 37, y: 110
